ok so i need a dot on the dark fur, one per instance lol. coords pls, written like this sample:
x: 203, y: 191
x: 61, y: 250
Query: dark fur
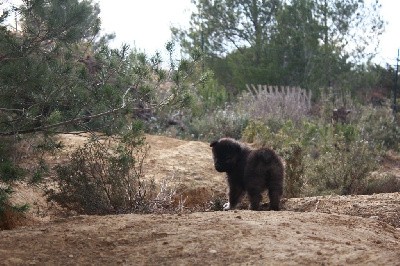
x: 249, y: 170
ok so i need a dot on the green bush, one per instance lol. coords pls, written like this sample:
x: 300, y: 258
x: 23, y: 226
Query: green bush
x: 378, y: 125
x: 282, y: 139
x: 210, y: 95
x: 257, y: 132
x: 342, y: 169
x: 320, y: 158
x: 219, y: 123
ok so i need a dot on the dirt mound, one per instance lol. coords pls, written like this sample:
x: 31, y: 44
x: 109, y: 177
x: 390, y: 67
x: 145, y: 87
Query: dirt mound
x: 318, y: 230
x: 213, y: 238
x: 381, y: 207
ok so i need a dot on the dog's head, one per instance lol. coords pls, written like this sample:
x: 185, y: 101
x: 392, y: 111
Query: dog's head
x: 226, y: 154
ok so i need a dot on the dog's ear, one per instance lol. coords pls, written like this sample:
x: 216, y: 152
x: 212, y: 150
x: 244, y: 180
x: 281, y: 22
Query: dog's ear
x: 212, y: 144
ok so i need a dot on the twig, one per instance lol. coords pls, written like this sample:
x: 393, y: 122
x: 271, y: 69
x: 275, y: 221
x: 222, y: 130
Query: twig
x: 316, y: 205
x: 12, y: 110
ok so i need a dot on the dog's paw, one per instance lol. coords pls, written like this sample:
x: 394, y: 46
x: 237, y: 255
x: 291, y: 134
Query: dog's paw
x: 227, y: 206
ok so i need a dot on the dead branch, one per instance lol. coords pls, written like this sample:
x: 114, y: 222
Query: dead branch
x: 12, y: 110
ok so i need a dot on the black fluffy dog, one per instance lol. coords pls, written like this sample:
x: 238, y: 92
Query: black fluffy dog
x: 249, y: 170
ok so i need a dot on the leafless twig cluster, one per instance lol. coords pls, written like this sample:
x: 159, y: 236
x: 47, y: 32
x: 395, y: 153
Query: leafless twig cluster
x: 263, y: 102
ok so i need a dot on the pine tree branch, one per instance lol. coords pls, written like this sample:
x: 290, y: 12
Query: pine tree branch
x: 71, y: 121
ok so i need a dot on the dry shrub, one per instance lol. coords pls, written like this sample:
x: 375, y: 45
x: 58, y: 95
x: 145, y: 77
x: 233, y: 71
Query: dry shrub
x: 194, y: 199
x: 165, y: 198
x: 386, y: 184
x: 343, y: 169
x: 294, y: 171
x: 105, y: 177
x: 266, y: 102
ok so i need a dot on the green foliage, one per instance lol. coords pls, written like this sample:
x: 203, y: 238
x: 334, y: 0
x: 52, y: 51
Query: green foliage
x: 10, y: 213
x: 9, y: 171
x: 341, y: 159
x: 343, y: 170
x: 281, y: 138
x: 218, y: 123
x: 106, y: 176
x: 294, y: 171
x: 38, y: 70
x: 70, y: 79
x: 380, y: 127
x: 297, y: 43
x: 58, y: 74
x: 223, y: 24
x: 295, y: 58
x: 320, y: 158
x: 256, y: 132
x: 67, y: 21
x: 210, y: 95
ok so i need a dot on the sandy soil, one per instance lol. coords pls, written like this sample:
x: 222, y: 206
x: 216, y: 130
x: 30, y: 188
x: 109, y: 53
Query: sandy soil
x: 330, y: 230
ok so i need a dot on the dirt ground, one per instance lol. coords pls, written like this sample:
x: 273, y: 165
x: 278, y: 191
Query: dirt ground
x: 329, y: 230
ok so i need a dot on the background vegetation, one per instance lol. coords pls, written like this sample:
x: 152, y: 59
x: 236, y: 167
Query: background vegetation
x: 59, y: 74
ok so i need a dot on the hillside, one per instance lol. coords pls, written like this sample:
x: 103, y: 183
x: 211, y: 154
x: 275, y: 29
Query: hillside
x: 318, y: 230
